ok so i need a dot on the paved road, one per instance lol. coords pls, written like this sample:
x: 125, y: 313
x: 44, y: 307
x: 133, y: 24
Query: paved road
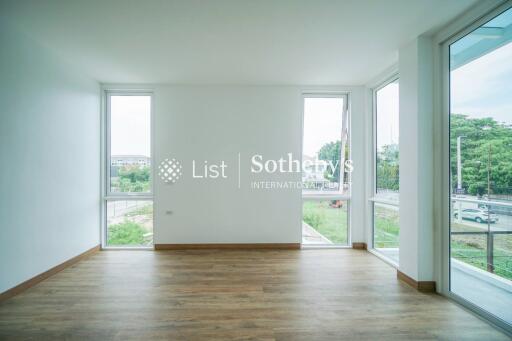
x: 504, y: 221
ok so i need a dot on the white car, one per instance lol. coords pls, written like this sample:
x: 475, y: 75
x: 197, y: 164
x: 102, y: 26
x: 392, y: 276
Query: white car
x: 478, y: 215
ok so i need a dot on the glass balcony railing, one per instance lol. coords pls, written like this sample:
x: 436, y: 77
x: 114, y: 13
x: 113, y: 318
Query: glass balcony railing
x: 481, y: 253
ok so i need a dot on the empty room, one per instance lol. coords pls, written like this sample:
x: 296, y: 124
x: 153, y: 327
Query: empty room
x: 256, y: 170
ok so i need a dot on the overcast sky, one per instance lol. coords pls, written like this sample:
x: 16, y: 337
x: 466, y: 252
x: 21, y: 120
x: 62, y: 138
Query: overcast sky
x: 387, y: 115
x: 322, y: 123
x: 483, y: 87
x: 131, y: 125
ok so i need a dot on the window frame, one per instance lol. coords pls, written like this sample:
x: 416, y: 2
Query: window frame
x: 346, y: 118
x: 374, y: 199
x: 395, y: 77
x: 106, y: 193
x: 339, y: 195
x: 109, y: 193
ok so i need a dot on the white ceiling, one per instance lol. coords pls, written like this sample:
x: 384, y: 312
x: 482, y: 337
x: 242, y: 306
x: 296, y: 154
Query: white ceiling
x: 230, y: 41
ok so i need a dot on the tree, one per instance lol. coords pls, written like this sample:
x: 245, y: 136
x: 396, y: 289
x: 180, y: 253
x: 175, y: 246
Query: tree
x: 388, y: 167
x: 331, y: 152
x: 134, y: 179
x: 486, y: 151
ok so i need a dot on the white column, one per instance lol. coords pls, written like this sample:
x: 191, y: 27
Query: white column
x: 357, y: 131
x: 416, y: 159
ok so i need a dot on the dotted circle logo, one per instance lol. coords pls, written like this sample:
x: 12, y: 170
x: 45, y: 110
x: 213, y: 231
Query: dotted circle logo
x: 169, y: 170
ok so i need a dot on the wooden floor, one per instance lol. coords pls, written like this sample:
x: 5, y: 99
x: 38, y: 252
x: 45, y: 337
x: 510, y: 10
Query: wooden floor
x: 246, y: 295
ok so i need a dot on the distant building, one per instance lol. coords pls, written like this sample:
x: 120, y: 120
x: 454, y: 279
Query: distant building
x: 119, y: 161
x: 130, y: 160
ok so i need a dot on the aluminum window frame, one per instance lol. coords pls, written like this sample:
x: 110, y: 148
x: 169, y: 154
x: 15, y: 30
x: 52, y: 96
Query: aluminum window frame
x: 106, y: 193
x: 373, y: 199
x: 339, y: 195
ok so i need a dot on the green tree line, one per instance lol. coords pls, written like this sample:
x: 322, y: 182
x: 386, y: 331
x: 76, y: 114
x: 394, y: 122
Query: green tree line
x: 486, y: 153
x: 387, y: 164
x: 132, y: 179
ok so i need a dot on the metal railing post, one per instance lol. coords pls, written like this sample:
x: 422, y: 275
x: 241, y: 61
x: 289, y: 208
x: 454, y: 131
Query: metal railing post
x: 490, y: 252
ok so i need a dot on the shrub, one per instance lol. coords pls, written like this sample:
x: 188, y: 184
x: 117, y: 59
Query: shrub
x: 313, y: 217
x: 126, y: 233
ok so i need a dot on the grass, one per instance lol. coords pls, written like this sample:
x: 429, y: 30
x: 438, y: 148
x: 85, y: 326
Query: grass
x: 329, y: 221
x: 472, y: 249
x: 126, y: 233
x: 131, y: 228
x: 387, y: 227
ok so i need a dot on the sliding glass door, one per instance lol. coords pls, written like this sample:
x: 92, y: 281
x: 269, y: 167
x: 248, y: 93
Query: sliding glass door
x: 481, y: 167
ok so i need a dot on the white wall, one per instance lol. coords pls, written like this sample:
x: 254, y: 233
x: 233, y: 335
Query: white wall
x: 215, y: 123
x: 49, y: 155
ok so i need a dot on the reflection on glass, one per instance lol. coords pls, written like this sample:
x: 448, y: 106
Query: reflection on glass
x: 324, y: 222
x: 130, y: 223
x: 323, y: 142
x: 130, y: 143
x: 481, y: 166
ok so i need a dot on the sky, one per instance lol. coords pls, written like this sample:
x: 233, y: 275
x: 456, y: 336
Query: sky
x: 483, y: 87
x: 130, y: 125
x: 322, y: 123
x: 387, y: 115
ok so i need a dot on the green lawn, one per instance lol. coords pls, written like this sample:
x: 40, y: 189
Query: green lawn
x: 472, y: 249
x: 329, y: 221
x: 386, y: 226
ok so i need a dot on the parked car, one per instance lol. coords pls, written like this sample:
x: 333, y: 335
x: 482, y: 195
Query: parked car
x: 478, y: 215
x: 497, y: 209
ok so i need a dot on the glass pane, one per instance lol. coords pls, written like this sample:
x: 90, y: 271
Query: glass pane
x: 130, y: 223
x: 386, y: 230
x: 481, y: 166
x: 502, y: 261
x: 323, y: 141
x: 387, y: 139
x: 130, y: 143
x: 324, y: 222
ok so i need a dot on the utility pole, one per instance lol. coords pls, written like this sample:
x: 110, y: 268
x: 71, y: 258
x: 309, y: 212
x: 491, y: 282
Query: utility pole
x: 459, y: 164
x: 489, y: 173
x: 490, y: 236
x: 459, y: 179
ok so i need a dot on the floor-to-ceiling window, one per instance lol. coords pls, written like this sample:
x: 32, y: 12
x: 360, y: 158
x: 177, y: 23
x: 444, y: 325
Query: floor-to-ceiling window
x: 481, y: 167
x: 325, y: 170
x: 385, y: 199
x: 128, y: 189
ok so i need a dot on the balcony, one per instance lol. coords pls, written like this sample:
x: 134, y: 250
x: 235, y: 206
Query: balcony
x: 481, y: 253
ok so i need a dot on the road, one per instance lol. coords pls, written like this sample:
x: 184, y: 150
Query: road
x: 504, y: 222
